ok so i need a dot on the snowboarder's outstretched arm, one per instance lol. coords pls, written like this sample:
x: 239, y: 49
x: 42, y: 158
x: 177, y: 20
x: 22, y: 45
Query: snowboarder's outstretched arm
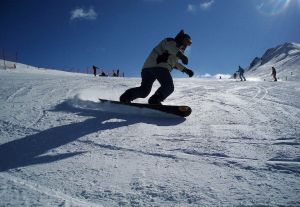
x: 184, y: 69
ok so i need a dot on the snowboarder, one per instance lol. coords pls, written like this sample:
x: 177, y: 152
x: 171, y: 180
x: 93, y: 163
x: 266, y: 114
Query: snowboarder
x: 274, y: 73
x: 241, y: 73
x: 158, y: 66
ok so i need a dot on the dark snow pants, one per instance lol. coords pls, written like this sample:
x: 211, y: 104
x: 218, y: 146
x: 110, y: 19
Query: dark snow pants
x: 242, y: 77
x: 149, y: 75
x: 274, y: 76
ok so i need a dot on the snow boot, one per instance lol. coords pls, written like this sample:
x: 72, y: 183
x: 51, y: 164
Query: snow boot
x: 125, y: 98
x: 156, y: 99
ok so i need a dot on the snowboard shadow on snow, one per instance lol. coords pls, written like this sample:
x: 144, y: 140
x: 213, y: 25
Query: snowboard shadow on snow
x: 33, y: 149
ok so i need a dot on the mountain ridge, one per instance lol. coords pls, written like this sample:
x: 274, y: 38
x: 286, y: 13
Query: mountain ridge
x: 284, y: 57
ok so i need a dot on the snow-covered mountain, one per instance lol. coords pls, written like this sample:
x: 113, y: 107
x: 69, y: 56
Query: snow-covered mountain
x: 285, y: 58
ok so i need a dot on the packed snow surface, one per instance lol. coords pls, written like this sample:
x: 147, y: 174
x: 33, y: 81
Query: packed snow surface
x: 60, y: 147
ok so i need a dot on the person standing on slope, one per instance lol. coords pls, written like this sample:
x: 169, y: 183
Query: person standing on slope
x: 95, y: 70
x: 274, y: 73
x: 158, y: 66
x: 241, y: 73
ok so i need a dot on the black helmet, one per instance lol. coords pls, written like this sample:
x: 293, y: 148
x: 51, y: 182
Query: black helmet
x: 181, y: 37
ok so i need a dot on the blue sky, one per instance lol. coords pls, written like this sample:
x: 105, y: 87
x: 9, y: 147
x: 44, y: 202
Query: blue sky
x: 111, y: 34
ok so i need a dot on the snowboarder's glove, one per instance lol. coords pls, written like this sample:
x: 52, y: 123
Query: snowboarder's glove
x: 188, y: 71
x: 182, y: 57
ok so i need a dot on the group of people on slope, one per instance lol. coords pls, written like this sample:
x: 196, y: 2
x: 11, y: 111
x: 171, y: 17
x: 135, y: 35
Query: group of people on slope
x: 241, y: 72
x: 114, y: 74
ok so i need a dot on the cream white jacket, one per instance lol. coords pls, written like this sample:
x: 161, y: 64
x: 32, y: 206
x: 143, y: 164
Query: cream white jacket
x: 167, y: 45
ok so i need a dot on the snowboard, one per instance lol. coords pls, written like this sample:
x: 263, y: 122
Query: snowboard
x: 182, y: 111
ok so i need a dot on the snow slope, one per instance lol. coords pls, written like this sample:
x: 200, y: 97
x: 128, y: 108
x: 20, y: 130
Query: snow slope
x: 285, y: 58
x: 60, y: 147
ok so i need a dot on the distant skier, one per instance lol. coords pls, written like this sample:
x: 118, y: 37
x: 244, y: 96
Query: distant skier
x: 158, y: 66
x: 102, y: 73
x: 241, y: 73
x: 234, y: 75
x: 95, y: 70
x: 274, y: 73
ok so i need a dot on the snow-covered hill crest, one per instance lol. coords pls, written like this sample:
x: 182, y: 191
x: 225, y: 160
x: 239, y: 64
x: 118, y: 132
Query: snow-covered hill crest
x: 285, y: 58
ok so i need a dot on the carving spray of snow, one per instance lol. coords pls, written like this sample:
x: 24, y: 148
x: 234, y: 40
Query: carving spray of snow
x: 89, y: 99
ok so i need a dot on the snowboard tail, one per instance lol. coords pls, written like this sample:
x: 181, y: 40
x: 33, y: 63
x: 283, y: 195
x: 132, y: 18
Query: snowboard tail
x: 182, y: 111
